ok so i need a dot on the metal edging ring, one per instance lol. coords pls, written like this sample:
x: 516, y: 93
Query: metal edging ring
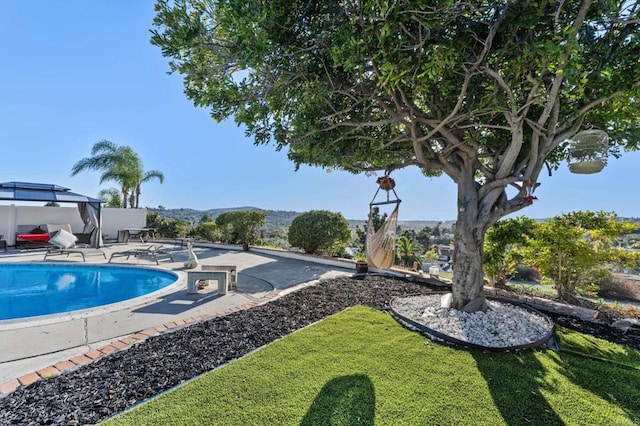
x: 436, y: 335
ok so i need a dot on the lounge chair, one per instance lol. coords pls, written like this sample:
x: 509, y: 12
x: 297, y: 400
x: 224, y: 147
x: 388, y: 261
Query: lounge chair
x: 64, y: 242
x: 153, y: 251
x: 82, y: 251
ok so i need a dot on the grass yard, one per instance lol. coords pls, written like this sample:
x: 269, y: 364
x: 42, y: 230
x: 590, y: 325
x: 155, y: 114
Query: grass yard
x: 360, y: 367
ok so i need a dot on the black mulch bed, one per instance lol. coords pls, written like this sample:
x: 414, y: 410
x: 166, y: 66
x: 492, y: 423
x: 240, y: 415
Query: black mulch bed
x: 120, y: 380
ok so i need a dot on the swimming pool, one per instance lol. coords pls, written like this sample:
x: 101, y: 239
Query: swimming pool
x: 36, y: 289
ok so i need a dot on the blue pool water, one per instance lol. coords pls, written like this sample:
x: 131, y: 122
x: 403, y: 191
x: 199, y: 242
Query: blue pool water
x: 34, y: 289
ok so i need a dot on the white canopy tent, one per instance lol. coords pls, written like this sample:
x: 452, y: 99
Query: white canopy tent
x: 90, y: 208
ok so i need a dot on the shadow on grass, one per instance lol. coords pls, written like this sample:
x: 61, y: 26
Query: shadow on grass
x: 616, y: 387
x: 610, y: 372
x: 515, y: 382
x: 518, y: 382
x: 348, y: 400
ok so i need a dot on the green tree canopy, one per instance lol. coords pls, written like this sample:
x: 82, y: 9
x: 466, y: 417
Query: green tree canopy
x: 206, y: 218
x: 319, y: 231
x: 486, y: 92
x: 423, y: 237
x: 502, y: 248
x: 111, y: 197
x: 575, y: 249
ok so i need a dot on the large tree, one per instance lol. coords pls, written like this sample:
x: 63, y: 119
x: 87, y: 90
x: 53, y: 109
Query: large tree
x: 486, y: 92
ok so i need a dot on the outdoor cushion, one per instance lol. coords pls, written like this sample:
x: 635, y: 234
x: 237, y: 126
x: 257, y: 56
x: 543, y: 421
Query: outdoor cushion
x: 63, y: 239
x: 37, y: 230
x: 33, y: 237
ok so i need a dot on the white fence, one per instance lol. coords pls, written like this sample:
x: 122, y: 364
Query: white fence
x: 112, y: 219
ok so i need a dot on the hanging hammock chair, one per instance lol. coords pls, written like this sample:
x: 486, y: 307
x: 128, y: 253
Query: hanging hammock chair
x: 381, y: 244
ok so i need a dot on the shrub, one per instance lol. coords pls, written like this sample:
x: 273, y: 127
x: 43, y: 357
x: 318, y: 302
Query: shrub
x: 319, y: 231
x: 526, y: 273
x: 172, y: 228
x: 241, y: 226
x: 431, y: 255
x: 168, y: 228
x: 277, y: 238
x: 207, y: 231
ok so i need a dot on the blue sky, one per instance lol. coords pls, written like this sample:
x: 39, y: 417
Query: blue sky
x: 75, y: 72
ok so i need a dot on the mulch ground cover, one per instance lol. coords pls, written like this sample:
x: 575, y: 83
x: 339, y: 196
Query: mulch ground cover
x: 120, y: 380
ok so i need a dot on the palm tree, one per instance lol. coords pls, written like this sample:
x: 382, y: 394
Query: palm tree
x: 407, y: 251
x: 111, y: 197
x: 115, y: 161
x: 146, y: 177
x: 119, y: 164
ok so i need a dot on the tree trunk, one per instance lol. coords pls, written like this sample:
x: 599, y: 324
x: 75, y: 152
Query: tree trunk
x: 125, y: 195
x: 468, y: 277
x: 138, y: 192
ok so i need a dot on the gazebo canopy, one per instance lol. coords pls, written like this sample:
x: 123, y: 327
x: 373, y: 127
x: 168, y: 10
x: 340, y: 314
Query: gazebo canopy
x: 89, y: 207
x: 26, y: 191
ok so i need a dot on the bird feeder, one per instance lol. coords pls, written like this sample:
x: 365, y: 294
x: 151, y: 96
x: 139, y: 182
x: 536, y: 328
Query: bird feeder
x: 588, y: 151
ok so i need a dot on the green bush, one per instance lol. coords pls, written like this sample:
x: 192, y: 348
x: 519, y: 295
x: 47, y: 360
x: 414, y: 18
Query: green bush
x: 207, y: 231
x: 173, y: 228
x: 277, y: 238
x: 168, y: 228
x: 320, y: 231
x: 241, y: 226
x: 526, y: 273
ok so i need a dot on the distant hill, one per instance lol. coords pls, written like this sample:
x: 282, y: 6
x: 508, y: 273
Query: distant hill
x: 280, y: 218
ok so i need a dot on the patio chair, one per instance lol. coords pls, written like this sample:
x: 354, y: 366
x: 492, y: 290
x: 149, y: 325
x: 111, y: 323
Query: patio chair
x: 153, y: 251
x: 64, y: 242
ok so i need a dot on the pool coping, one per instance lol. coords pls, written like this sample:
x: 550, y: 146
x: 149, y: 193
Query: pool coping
x: 121, y: 343
x: 34, y: 321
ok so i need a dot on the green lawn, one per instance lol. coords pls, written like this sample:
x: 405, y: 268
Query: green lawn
x: 360, y: 367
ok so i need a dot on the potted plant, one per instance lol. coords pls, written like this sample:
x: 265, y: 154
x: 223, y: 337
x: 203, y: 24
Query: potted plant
x: 362, y: 266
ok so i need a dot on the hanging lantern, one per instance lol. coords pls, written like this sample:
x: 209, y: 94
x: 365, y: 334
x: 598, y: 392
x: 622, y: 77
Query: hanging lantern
x: 588, y: 151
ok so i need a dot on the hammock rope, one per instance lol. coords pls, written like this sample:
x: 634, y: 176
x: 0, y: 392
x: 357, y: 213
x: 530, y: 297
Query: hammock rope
x: 381, y: 244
